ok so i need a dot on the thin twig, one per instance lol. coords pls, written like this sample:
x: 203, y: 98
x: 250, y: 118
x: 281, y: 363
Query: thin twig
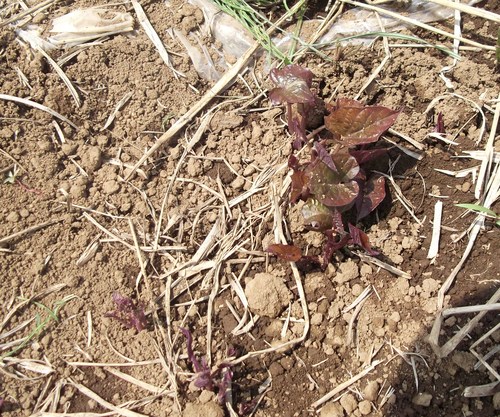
x: 31, y: 229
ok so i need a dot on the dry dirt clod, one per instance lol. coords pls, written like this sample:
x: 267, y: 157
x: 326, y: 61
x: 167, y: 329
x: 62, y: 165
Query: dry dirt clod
x: 110, y: 187
x: 316, y: 319
x: 267, y: 295
x: 210, y: 409
x: 332, y: 410
x: 496, y: 401
x: 371, y: 391
x: 430, y: 286
x: 91, y: 158
x: 464, y: 360
x: 349, y: 403
x: 69, y: 148
x: 365, y: 407
x: 347, y: 271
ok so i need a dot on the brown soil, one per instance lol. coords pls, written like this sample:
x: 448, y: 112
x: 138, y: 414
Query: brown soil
x: 78, y: 187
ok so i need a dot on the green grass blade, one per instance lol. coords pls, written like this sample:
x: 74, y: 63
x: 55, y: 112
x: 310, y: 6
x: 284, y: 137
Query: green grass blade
x: 396, y: 36
x: 40, y: 325
x: 478, y: 208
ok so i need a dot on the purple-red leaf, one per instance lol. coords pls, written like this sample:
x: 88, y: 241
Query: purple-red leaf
x: 336, y: 195
x: 323, y: 155
x: 224, y: 386
x: 334, y: 242
x: 334, y: 189
x: 296, y: 126
x: 440, y: 124
x: 346, y: 102
x: 357, y: 124
x: 128, y: 313
x: 360, y: 238
x: 189, y: 346
x: 203, y: 379
x: 346, y: 165
x: 372, y: 194
x: 292, y: 85
x: 363, y: 156
x: 123, y: 303
x: 285, y: 252
x: 299, y: 187
x: 293, y: 163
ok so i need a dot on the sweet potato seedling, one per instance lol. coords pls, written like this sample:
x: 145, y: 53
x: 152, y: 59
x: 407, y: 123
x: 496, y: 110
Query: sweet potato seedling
x: 128, y: 313
x: 218, y: 380
x: 334, y: 183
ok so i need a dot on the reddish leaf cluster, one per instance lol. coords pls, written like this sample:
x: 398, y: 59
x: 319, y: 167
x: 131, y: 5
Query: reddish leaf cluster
x: 218, y: 381
x: 334, y: 184
x: 128, y: 313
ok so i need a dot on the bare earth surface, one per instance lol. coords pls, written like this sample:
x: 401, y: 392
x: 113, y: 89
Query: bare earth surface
x: 142, y: 237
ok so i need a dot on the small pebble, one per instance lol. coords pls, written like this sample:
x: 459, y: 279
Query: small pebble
x: 316, y: 319
x: 249, y: 170
x: 450, y: 321
x: 206, y: 396
x: 356, y: 290
x: 423, y: 399
x: 395, y: 316
x: 13, y: 217
x: 238, y: 183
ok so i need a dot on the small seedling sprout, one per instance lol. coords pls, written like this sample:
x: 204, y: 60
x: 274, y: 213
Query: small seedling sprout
x: 11, y: 177
x: 219, y: 380
x: 481, y: 209
x: 41, y: 324
x: 128, y: 313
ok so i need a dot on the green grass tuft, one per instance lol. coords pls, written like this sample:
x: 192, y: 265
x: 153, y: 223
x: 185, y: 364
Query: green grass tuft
x: 41, y: 323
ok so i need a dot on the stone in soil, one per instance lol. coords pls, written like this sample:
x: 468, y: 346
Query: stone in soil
x: 423, y: 399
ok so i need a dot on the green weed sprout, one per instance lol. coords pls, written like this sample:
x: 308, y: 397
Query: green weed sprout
x: 257, y: 23
x: 12, y: 175
x: 481, y: 209
x: 41, y: 324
